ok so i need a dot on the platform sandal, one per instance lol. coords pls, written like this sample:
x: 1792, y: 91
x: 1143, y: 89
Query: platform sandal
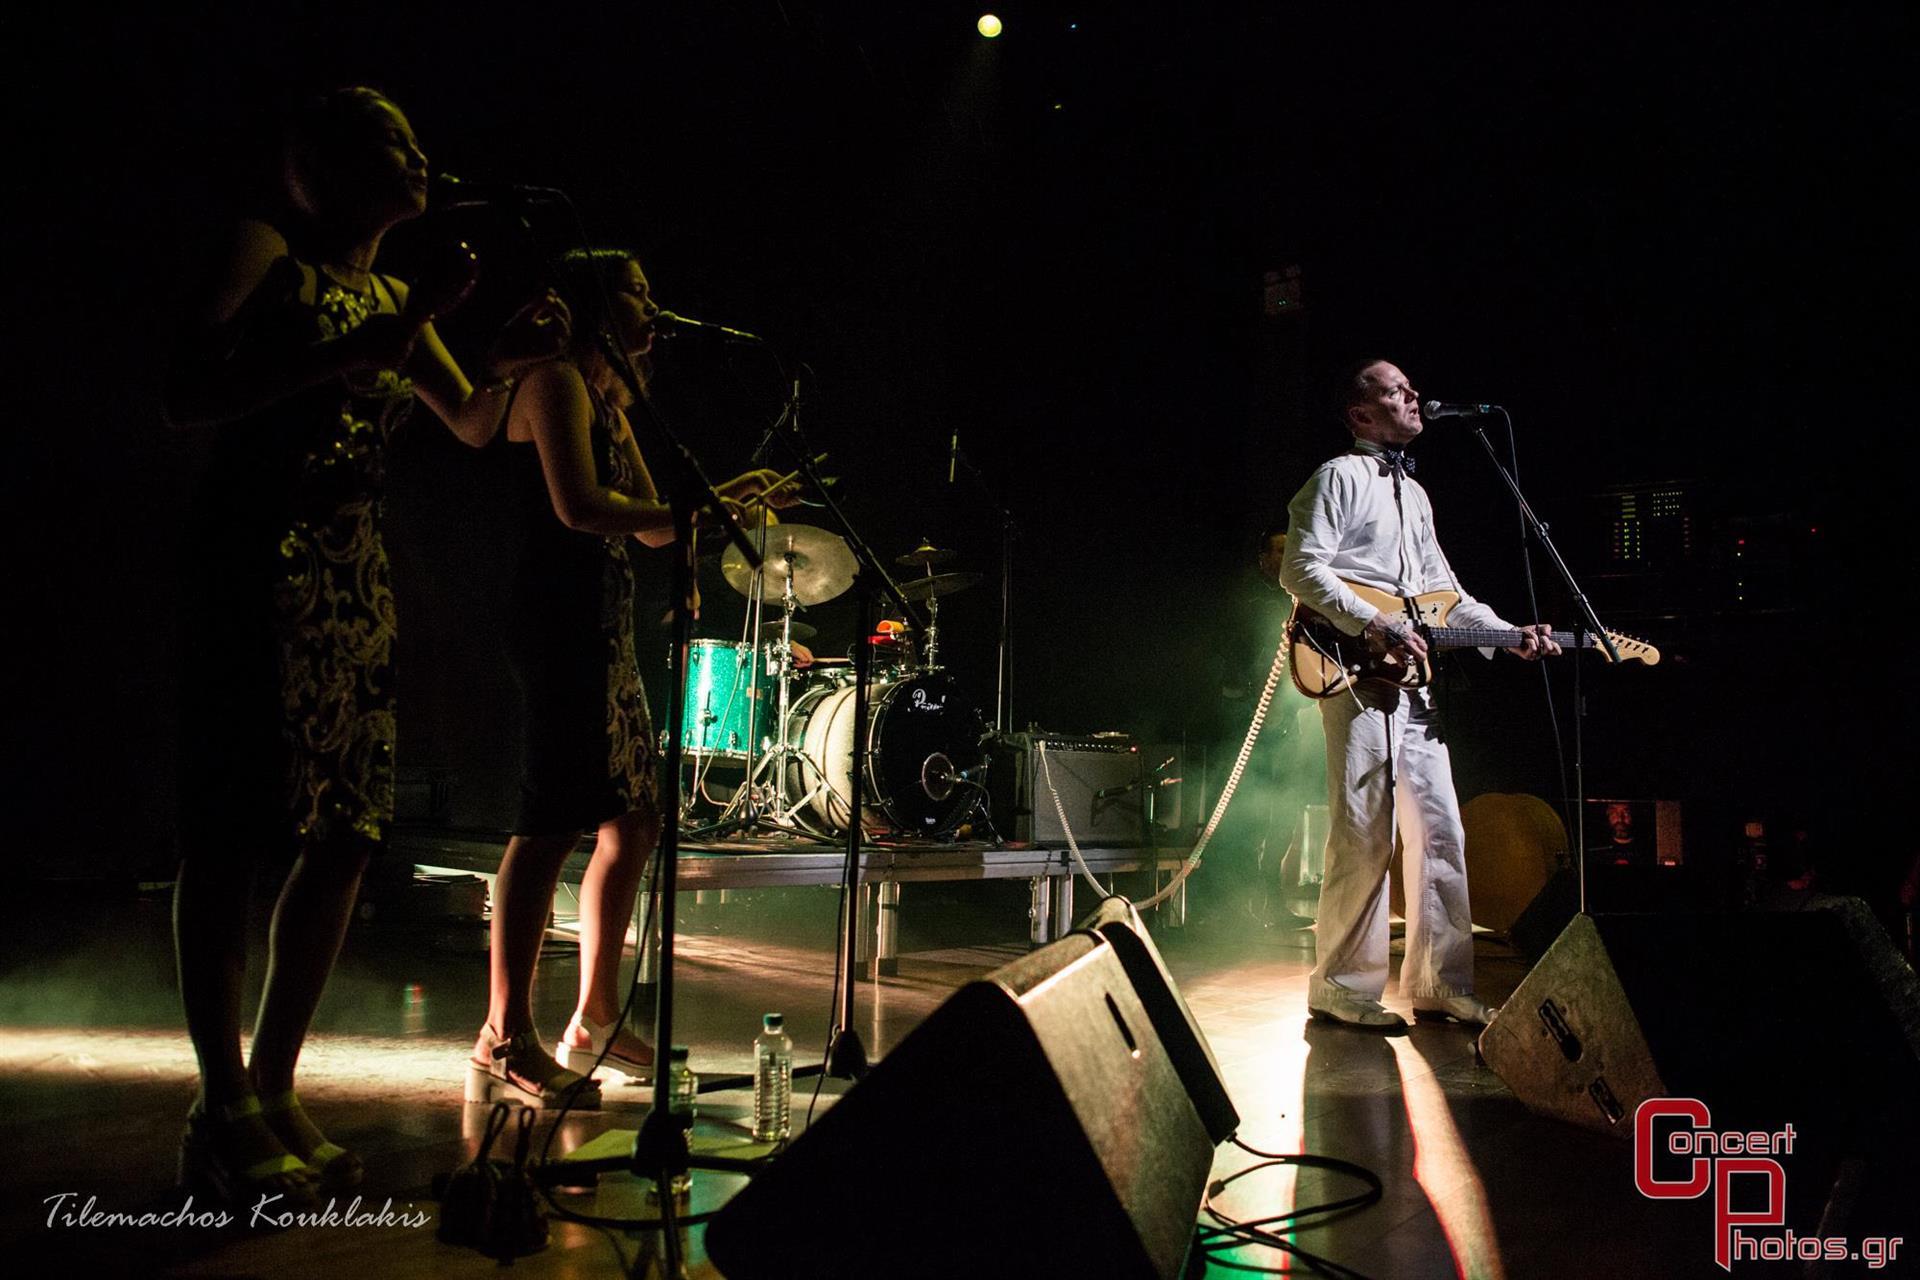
x: 582, y: 1057
x: 210, y: 1166
x: 337, y: 1168
x: 520, y: 1070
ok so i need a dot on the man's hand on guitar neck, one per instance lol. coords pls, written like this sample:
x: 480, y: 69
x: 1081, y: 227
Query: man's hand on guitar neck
x: 1537, y: 642
x: 1396, y: 636
x: 1390, y: 634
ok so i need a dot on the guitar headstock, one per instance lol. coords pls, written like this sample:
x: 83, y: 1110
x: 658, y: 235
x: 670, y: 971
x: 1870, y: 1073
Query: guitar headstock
x: 1631, y: 650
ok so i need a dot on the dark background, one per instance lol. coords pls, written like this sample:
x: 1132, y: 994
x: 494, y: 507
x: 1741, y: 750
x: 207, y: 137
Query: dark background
x: 1670, y: 242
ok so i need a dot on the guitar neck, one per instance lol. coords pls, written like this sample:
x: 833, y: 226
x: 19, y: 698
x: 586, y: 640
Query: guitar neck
x: 1498, y: 638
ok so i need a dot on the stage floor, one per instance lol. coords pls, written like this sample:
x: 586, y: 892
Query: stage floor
x: 96, y: 1076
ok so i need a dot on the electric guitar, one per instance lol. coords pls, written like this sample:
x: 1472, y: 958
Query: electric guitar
x: 1327, y: 661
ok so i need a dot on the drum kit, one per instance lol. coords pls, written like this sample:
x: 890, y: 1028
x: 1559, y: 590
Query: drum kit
x: 768, y: 705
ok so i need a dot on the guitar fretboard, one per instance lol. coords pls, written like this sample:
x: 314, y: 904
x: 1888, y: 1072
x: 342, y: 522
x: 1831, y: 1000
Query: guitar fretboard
x: 1494, y: 638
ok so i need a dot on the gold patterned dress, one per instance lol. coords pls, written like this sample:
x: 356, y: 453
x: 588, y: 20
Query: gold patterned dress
x: 588, y: 752
x: 288, y: 674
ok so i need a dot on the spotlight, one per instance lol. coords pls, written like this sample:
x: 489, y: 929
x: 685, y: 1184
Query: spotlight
x: 988, y: 26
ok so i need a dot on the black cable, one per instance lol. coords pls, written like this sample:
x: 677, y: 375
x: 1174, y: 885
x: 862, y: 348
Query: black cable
x: 619, y: 1252
x: 833, y: 996
x: 1213, y: 1241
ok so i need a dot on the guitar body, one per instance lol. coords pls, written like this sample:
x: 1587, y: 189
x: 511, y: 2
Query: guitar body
x: 1326, y: 661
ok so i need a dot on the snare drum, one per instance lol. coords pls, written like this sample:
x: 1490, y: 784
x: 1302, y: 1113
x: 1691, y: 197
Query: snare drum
x: 921, y: 734
x: 717, y: 716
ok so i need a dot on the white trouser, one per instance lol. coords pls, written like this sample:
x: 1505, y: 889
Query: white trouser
x: 1352, y: 937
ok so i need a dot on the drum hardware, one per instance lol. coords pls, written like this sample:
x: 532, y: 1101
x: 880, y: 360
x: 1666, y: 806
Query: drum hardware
x: 930, y: 589
x: 805, y: 564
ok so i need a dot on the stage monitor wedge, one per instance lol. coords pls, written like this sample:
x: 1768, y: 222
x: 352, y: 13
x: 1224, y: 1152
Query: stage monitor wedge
x: 1806, y: 1016
x: 1116, y: 921
x: 1033, y: 1125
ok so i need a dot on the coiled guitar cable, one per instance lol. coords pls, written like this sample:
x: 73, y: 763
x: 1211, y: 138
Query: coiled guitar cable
x: 1219, y: 807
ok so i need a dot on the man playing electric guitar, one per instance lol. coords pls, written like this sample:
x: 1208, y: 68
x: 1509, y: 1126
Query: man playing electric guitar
x: 1362, y: 518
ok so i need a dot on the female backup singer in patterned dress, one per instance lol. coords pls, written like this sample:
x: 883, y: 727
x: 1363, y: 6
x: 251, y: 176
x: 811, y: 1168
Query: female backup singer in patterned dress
x: 309, y: 361
x: 581, y: 487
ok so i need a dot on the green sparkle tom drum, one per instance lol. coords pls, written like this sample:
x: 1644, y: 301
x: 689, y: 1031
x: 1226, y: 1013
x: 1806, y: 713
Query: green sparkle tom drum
x: 717, y: 716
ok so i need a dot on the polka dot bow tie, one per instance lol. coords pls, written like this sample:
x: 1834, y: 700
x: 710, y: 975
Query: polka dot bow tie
x: 1392, y: 460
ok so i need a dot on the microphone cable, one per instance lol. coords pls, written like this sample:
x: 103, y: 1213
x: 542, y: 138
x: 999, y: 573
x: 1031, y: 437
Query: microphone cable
x: 1546, y: 676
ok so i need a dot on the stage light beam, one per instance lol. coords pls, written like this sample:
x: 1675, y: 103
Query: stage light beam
x: 988, y: 26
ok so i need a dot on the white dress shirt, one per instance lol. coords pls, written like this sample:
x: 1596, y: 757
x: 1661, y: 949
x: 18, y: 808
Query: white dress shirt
x: 1344, y: 524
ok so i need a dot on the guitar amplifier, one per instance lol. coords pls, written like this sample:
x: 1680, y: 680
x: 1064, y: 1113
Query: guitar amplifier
x: 1101, y: 783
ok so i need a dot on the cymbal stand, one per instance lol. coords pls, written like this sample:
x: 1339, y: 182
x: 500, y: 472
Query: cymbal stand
x: 846, y: 1055
x: 742, y: 812
x: 932, y: 662
x: 785, y: 751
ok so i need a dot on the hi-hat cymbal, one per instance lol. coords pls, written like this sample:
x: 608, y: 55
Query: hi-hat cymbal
x: 770, y: 631
x: 923, y: 555
x: 819, y: 562
x: 939, y: 584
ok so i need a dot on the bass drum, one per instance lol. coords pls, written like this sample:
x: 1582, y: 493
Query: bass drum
x: 921, y: 734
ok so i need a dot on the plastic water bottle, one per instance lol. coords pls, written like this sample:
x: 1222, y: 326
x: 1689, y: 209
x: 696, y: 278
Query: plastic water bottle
x: 683, y: 1087
x: 772, y: 1080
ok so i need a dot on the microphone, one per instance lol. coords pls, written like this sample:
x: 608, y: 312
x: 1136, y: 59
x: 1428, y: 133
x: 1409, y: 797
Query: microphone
x: 953, y: 456
x: 453, y: 192
x: 1108, y: 793
x: 1433, y: 410
x: 938, y: 777
x: 669, y: 325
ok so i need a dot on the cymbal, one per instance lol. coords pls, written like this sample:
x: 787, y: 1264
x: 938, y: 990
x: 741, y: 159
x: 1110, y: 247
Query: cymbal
x: 925, y: 554
x: 939, y: 584
x: 770, y: 631
x: 820, y: 563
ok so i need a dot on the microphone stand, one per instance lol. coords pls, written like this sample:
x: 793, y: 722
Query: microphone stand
x: 846, y: 1056
x: 661, y: 1148
x: 1589, y: 625
x: 1009, y: 530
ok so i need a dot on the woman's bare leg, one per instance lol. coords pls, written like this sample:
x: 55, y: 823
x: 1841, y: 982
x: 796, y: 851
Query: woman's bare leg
x: 522, y: 898
x: 226, y: 1135
x: 309, y: 924
x: 619, y: 863
x: 210, y: 948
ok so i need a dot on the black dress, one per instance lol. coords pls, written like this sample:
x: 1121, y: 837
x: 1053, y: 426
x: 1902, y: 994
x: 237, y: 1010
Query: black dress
x: 588, y: 747
x: 288, y: 717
